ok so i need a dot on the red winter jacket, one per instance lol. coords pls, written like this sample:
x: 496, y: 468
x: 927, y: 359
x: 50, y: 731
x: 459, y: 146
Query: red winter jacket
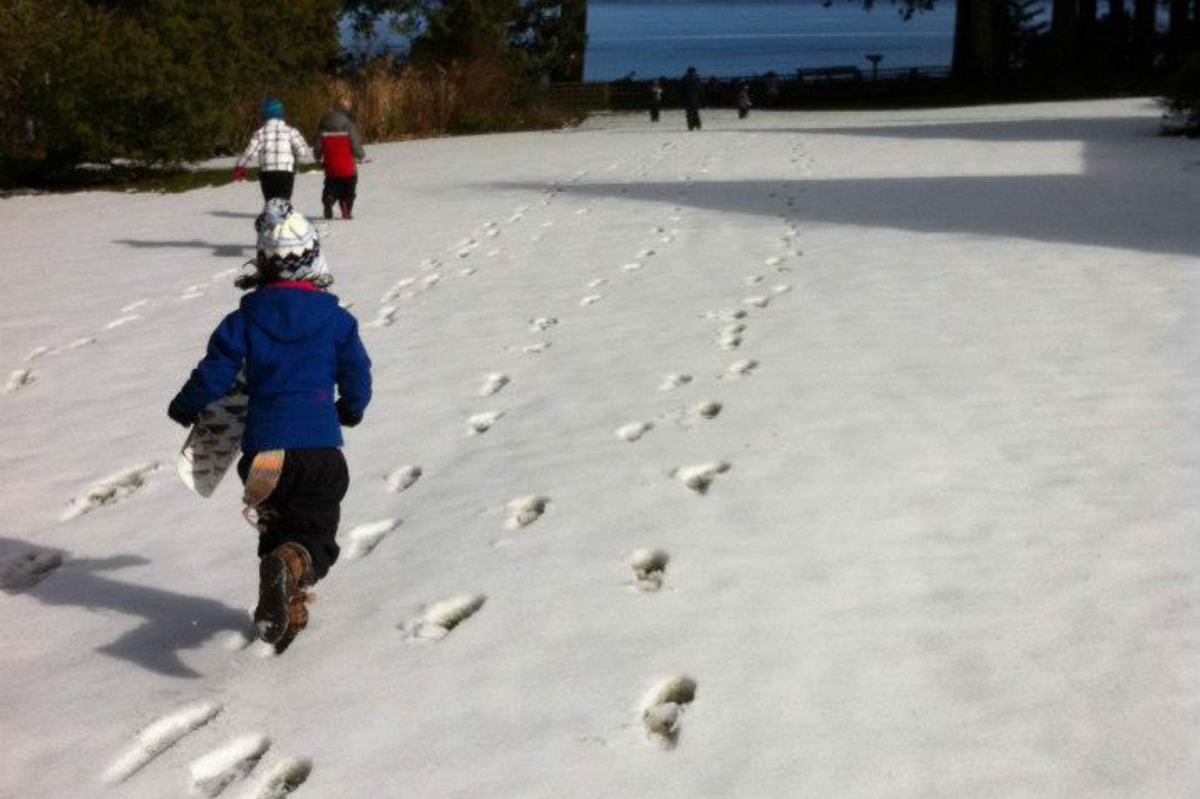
x: 336, y: 154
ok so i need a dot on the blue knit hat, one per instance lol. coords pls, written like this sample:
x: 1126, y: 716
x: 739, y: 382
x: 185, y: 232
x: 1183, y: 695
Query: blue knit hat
x: 271, y: 109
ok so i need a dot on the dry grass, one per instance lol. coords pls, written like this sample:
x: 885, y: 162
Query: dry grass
x: 427, y: 100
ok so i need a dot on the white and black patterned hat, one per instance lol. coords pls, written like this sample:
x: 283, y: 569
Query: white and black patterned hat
x: 288, y: 247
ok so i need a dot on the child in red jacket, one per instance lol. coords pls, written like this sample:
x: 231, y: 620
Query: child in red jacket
x: 338, y: 147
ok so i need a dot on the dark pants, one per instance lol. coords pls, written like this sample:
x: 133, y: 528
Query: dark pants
x: 743, y: 112
x: 306, y: 505
x: 276, y: 184
x: 341, y: 192
x: 693, y: 118
x: 654, y: 109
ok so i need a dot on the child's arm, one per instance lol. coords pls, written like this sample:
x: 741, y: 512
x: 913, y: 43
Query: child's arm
x: 353, y: 377
x: 256, y: 142
x: 300, y: 146
x: 214, y: 376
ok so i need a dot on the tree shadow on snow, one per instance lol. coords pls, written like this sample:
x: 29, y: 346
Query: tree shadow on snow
x: 1102, y: 205
x: 218, y: 250
x: 170, y: 622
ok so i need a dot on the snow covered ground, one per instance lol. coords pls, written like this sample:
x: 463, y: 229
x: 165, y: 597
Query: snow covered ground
x: 838, y: 455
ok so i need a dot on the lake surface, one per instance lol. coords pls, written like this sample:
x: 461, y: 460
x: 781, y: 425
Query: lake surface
x: 729, y: 38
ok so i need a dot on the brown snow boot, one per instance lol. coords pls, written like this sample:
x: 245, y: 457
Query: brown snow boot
x: 283, y: 577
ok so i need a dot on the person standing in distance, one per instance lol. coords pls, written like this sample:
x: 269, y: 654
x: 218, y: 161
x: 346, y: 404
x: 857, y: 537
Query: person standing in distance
x: 338, y: 149
x: 693, y: 95
x: 656, y: 95
x: 276, y: 147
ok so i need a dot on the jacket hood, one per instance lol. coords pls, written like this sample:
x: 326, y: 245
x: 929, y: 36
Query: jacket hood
x: 289, y: 314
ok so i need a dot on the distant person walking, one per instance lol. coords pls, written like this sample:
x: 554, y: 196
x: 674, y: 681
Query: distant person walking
x: 275, y: 146
x: 656, y: 95
x: 693, y: 95
x: 743, y: 101
x: 338, y: 149
x: 771, y: 89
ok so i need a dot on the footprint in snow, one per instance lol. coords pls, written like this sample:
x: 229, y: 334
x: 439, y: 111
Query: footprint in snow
x: 774, y: 260
x: 594, y: 284
x: 524, y: 511
x: 699, y: 478
x: 632, y: 266
x: 124, y: 320
x: 437, y: 620
x: 194, y: 292
x: 758, y: 301
x: 214, y: 772
x: 752, y: 280
x: 534, y: 349
x: 397, y: 288
x: 402, y: 477
x: 19, y: 379
x: 645, y: 254
x: 468, y: 271
x: 662, y: 708
x: 493, y: 384
x: 480, y: 423
x: 284, y: 778
x: 429, y: 263
x: 741, y: 368
x: 38, y: 352
x: 707, y: 410
x: 110, y: 490
x: 160, y: 736
x: 24, y: 570
x: 133, y: 306
x: 731, y: 337
x: 733, y: 315
x: 674, y: 381
x: 80, y: 342
x: 633, y: 431
x: 493, y: 253
x: 591, y: 299
x: 362, y: 540
x: 386, y: 316
x: 649, y: 569
x: 782, y: 288
x: 542, y: 323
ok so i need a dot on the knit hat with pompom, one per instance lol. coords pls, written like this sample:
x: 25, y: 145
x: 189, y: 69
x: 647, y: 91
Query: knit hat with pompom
x: 288, y: 248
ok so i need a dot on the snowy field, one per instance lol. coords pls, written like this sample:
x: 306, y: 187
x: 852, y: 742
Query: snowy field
x: 838, y: 455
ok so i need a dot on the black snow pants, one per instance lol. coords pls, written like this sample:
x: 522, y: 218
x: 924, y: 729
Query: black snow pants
x: 276, y: 184
x: 340, y: 192
x: 306, y: 505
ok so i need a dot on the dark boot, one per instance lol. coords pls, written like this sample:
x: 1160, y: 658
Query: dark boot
x: 283, y: 577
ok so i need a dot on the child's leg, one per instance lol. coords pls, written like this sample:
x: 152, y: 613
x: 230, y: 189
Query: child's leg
x: 329, y: 197
x: 298, y: 543
x: 351, y: 194
x: 306, y: 505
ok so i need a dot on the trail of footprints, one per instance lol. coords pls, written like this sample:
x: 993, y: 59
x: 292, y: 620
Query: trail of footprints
x: 210, y: 774
x: 661, y: 708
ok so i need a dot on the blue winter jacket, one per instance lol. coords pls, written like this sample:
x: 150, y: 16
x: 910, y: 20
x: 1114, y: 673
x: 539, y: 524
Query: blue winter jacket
x: 297, y: 344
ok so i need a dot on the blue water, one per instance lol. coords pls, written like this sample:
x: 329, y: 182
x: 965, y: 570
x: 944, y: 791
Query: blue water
x: 749, y: 37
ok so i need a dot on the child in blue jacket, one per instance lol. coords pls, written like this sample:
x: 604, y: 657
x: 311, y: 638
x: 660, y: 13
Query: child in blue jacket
x: 296, y: 343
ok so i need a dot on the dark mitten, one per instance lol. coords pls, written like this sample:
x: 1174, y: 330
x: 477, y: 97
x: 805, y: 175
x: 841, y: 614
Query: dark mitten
x: 178, y: 415
x: 347, y: 415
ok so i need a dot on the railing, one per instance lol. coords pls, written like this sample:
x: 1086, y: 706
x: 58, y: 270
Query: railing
x: 793, y: 89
